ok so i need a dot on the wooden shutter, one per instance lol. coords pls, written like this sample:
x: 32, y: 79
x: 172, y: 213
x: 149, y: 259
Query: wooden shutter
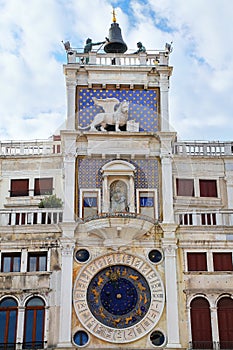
x: 208, y: 188
x: 222, y: 261
x: 197, y: 261
x: 225, y: 323
x: 19, y: 187
x: 201, y: 324
x: 43, y: 186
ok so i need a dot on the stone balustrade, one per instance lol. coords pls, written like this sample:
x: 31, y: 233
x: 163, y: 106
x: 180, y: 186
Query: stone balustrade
x: 160, y: 58
x: 30, y: 216
x: 54, y: 216
x: 202, y: 148
x: 204, y: 218
x: 25, y: 148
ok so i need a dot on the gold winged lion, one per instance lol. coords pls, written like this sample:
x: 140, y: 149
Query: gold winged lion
x: 116, y: 117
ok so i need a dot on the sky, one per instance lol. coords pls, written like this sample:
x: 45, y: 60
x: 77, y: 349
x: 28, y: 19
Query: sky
x: 32, y: 84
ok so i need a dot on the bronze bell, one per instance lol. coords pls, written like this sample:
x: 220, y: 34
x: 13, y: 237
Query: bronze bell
x: 115, y: 42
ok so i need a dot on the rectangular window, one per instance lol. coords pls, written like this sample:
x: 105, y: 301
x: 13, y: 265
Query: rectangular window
x: 222, y: 262
x: 11, y: 262
x: 37, y: 261
x: 147, y: 203
x: 19, y: 187
x: 185, y: 187
x: 89, y: 203
x: 208, y: 188
x: 197, y: 261
x: 43, y: 186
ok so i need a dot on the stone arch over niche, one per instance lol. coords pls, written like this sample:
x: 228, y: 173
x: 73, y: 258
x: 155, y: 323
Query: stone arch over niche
x: 118, y: 177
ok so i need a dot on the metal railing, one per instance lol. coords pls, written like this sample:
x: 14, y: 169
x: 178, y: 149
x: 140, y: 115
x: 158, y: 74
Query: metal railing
x: 26, y: 345
x: 215, y: 345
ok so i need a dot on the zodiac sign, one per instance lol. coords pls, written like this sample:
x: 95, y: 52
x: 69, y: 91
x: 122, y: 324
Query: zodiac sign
x: 140, y: 287
x: 128, y: 319
x: 100, y: 280
x: 135, y: 278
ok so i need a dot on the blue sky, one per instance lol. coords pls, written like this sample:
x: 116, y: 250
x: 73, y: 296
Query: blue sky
x: 32, y: 85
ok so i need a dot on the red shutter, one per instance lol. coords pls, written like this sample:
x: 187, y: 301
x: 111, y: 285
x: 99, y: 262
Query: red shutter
x: 225, y: 323
x: 222, y: 262
x: 43, y: 186
x: 197, y: 261
x: 19, y: 187
x: 201, y: 324
x: 208, y: 188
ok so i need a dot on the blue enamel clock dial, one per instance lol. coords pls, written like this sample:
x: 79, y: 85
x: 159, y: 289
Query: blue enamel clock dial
x: 119, y: 296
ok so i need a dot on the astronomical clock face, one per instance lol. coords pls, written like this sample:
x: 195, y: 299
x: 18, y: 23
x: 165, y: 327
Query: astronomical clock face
x: 118, y: 297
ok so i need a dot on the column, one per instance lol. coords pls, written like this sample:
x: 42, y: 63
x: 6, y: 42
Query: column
x: 131, y: 193
x: 164, y: 112
x: 67, y: 247
x: 106, y: 203
x: 71, y: 93
x: 170, y: 245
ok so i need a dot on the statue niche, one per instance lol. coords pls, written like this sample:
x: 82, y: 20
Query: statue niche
x: 118, y: 197
x: 115, y: 114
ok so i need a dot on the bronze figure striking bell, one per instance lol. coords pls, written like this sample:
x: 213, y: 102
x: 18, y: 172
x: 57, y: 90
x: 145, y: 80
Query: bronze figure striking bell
x: 115, y: 42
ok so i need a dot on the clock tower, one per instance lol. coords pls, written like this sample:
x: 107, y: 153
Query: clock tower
x: 118, y: 281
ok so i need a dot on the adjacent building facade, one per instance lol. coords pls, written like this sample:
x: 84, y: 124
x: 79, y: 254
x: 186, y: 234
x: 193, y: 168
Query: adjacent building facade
x: 113, y: 234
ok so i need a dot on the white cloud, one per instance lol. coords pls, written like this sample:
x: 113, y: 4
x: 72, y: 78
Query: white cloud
x: 32, y: 102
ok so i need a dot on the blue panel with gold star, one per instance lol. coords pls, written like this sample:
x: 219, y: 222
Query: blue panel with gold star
x: 143, y: 106
x: 146, y: 175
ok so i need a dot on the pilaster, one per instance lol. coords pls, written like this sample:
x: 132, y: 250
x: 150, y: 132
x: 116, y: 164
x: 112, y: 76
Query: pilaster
x: 169, y: 244
x: 71, y: 94
x: 69, y: 145
x: 229, y: 183
x: 164, y: 109
x: 166, y: 140
x: 19, y: 335
x: 67, y: 248
x: 214, y: 324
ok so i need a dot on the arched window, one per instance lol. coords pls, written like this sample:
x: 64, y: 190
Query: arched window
x: 201, y: 324
x: 225, y: 322
x: 34, y: 324
x: 8, y: 322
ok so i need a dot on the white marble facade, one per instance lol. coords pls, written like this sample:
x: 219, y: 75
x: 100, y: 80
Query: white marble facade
x: 135, y: 212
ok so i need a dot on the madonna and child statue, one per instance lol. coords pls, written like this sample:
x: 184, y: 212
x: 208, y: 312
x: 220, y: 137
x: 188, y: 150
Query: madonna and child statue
x: 118, y: 197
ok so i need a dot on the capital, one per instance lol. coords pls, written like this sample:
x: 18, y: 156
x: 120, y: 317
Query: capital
x: 67, y: 247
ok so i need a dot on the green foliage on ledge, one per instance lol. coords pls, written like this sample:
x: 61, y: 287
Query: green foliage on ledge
x: 51, y: 201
